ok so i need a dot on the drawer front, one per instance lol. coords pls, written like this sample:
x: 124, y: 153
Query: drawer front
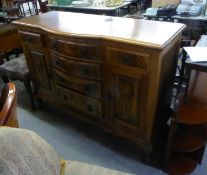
x: 82, y: 50
x: 88, y: 70
x: 31, y: 38
x: 132, y: 59
x: 79, y: 102
x: 88, y: 87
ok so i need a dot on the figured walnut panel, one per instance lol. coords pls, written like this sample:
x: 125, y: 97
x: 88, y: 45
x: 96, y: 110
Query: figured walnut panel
x: 130, y: 102
x: 39, y: 66
x: 127, y: 99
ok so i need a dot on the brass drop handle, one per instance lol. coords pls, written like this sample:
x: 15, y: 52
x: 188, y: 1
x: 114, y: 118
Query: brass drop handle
x: 58, y: 62
x: 62, y: 79
x: 125, y: 59
x: 88, y: 88
x: 90, y: 108
x: 84, y: 52
x: 29, y: 39
x: 65, y: 97
x: 109, y: 96
x: 55, y: 46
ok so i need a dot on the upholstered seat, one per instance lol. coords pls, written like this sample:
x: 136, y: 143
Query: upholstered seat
x: 24, y: 152
x: 17, y: 69
x: 80, y: 168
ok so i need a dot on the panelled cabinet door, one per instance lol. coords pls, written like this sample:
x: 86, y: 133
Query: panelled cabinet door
x: 125, y: 88
x: 40, y: 68
x: 37, y: 65
x: 126, y: 100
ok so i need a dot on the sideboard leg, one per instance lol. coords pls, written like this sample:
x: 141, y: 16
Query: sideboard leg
x: 147, y: 154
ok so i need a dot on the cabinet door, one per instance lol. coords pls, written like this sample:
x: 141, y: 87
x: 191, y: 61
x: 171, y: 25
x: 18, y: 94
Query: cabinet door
x: 126, y: 94
x: 125, y: 88
x: 38, y: 68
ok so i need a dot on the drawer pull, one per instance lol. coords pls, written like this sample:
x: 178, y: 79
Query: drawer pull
x: 65, y: 97
x: 84, y: 53
x: 90, y: 108
x: 88, y: 88
x: 126, y: 59
x: 62, y: 80
x: 29, y: 39
x: 86, y: 71
x: 58, y: 62
x: 55, y: 46
x: 109, y: 96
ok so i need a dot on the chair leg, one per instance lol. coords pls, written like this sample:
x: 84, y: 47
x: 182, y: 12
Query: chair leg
x: 5, y: 79
x: 28, y: 87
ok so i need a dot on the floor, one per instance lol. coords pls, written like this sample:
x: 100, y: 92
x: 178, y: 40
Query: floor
x: 79, y: 141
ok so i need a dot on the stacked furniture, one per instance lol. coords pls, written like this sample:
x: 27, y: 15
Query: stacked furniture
x: 117, y: 75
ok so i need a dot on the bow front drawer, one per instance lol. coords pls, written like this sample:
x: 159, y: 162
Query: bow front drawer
x: 31, y: 38
x: 88, y: 106
x: 78, y: 68
x: 79, y: 50
x: 89, y: 87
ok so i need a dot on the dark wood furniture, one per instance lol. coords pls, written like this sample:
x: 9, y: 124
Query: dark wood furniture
x: 117, y: 75
x: 8, y: 100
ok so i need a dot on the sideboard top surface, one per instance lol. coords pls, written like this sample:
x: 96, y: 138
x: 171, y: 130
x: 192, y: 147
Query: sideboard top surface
x: 146, y: 33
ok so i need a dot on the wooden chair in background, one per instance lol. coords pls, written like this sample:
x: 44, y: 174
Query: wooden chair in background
x: 43, y: 6
x: 8, y: 100
x: 14, y: 69
x: 12, y: 9
x: 31, y: 4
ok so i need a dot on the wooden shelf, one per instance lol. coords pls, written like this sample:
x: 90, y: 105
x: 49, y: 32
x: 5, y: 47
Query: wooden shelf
x: 180, y: 165
x: 193, y: 109
x: 188, y: 140
x: 192, y: 113
x: 188, y: 131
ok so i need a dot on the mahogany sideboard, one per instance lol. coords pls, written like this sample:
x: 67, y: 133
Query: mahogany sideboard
x: 114, y: 72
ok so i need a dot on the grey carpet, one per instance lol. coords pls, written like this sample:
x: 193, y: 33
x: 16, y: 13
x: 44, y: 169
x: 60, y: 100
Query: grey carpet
x: 75, y: 140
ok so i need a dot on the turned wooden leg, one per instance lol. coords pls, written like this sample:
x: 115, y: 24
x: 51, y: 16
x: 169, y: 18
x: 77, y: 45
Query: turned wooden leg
x: 28, y: 87
x: 5, y: 78
x: 147, y: 154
